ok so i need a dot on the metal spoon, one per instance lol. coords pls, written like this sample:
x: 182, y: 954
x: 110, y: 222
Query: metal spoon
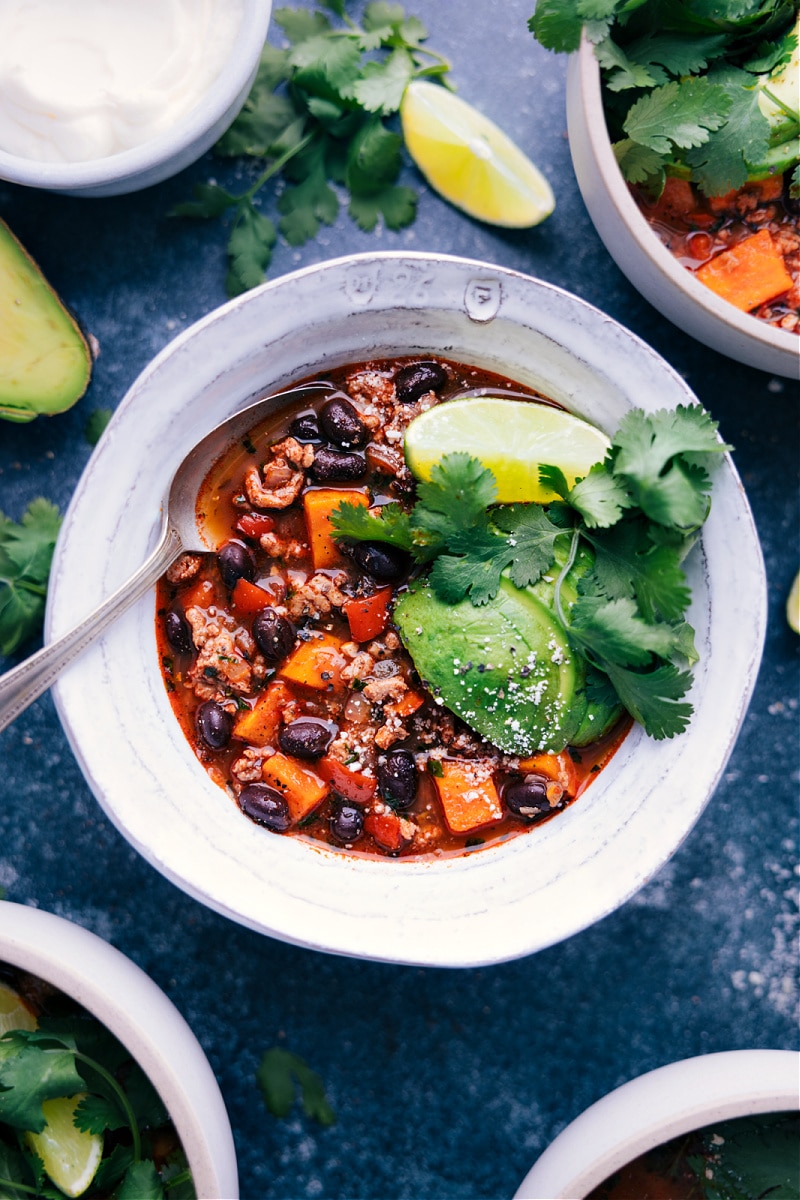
x: 179, y: 533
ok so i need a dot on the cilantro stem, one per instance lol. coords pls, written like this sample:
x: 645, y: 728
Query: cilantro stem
x: 181, y: 1177
x: 275, y: 166
x: 124, y: 1102
x: 573, y: 550
x: 18, y: 1187
x: 793, y: 113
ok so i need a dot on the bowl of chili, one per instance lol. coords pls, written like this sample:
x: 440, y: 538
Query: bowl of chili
x: 679, y: 1131
x: 70, y: 979
x: 208, y: 818
x: 668, y: 247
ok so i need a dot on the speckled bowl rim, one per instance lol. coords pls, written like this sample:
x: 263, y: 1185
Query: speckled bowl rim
x: 490, y: 906
x: 173, y: 148
x: 654, y: 1108
x: 641, y: 256
x: 121, y: 995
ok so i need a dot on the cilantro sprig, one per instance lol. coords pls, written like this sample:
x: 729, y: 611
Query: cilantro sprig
x: 317, y: 115
x: 280, y: 1073
x: 26, y: 551
x: 637, y: 513
x: 682, y: 83
x: 66, y: 1056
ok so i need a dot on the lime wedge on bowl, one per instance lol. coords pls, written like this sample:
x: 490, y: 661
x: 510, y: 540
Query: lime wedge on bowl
x: 793, y: 605
x: 513, y: 438
x: 470, y: 161
x: 69, y: 1155
x: 14, y: 1012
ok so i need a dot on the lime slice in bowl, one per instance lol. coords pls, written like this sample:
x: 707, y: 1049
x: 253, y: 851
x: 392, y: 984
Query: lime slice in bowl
x: 69, y: 1155
x: 470, y: 161
x: 14, y: 1012
x: 513, y: 438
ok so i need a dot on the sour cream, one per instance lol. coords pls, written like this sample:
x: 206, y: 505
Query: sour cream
x: 85, y: 79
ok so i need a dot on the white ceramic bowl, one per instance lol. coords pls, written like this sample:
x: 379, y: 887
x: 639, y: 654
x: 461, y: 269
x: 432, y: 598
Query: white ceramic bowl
x: 641, y: 256
x: 148, y: 1024
x: 652, y: 1109
x: 504, y: 901
x: 170, y: 151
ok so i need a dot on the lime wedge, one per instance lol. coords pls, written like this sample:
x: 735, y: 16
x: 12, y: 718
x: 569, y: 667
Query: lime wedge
x: 14, y: 1012
x: 69, y: 1156
x: 468, y: 160
x: 511, y: 437
x: 793, y: 605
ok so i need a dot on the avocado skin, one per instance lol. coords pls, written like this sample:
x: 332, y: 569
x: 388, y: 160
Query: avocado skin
x: 46, y: 362
x: 506, y: 668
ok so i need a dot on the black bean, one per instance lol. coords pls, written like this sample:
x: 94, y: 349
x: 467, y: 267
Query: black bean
x: 346, y: 822
x: 274, y: 634
x: 236, y: 562
x: 177, y: 630
x: 341, y: 423
x: 416, y: 379
x: 398, y: 778
x: 305, y: 428
x: 214, y: 724
x: 528, y: 798
x: 381, y: 561
x: 307, y: 737
x: 338, y: 466
x: 265, y: 806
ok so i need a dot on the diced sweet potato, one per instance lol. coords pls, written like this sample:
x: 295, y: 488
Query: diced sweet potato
x: 303, y: 789
x: 249, y: 598
x: 260, y: 725
x: 404, y: 707
x: 318, y: 504
x: 749, y: 273
x: 558, y: 767
x: 316, y: 663
x: 468, y: 795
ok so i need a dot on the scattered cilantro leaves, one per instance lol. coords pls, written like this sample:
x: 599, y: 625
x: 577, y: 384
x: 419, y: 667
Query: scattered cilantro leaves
x: 637, y: 513
x: 682, y: 82
x: 280, y: 1073
x: 316, y: 116
x: 26, y: 551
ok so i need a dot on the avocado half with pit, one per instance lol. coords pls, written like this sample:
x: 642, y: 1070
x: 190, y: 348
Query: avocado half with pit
x: 507, y: 668
x: 45, y: 361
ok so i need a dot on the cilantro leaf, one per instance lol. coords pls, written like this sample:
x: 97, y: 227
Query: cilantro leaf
x: 26, y: 551
x: 96, y: 425
x: 600, y: 498
x: 141, y: 1181
x: 721, y: 164
x: 307, y: 205
x: 249, y: 249
x: 628, y: 563
x: 96, y: 1114
x: 355, y: 522
x: 382, y: 84
x: 640, y: 164
x: 279, y: 1073
x: 614, y: 631
x: 677, y: 115
x: 654, y: 698
x: 532, y: 538
x: 38, y: 1069
x: 397, y: 206
x: 210, y: 200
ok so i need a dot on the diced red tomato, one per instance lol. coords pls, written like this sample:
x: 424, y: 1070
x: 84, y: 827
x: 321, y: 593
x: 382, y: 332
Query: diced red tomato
x: 353, y: 785
x: 368, y: 616
x: 249, y: 598
x: 252, y: 524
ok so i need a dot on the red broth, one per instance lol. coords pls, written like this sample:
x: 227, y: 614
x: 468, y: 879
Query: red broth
x: 745, y: 245
x: 292, y: 684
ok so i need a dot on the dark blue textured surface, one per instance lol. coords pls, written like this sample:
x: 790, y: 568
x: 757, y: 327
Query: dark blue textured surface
x: 446, y: 1084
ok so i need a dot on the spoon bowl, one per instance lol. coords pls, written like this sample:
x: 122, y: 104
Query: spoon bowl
x: 180, y: 531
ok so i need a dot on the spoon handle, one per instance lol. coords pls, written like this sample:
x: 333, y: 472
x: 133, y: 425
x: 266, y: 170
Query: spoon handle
x: 25, y: 683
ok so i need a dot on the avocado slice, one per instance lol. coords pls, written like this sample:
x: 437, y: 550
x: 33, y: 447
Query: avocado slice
x: 506, y: 668
x: 45, y: 361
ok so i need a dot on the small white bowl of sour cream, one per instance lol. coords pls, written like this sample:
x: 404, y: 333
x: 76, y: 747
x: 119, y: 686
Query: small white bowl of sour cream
x: 108, y: 97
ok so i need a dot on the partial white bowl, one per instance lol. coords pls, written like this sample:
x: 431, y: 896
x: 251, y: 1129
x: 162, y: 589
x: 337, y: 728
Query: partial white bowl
x: 170, y: 151
x: 148, y: 1024
x: 653, y: 1108
x: 638, y: 252
x: 504, y: 901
